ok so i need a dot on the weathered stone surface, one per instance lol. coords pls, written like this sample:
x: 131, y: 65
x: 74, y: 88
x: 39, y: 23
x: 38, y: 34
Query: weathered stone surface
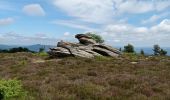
x: 107, y: 48
x: 81, y: 53
x: 59, y: 52
x: 105, y: 52
x: 78, y: 36
x: 87, y: 41
x: 87, y: 48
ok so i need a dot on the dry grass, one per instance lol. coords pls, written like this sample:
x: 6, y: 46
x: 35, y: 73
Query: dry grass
x: 89, y: 79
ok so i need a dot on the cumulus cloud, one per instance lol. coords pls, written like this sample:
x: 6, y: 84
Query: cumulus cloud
x: 155, y: 17
x: 139, y: 36
x: 104, y: 11
x: 6, y: 21
x: 67, y: 34
x: 163, y: 27
x: 121, y: 34
x: 135, y: 6
x: 87, y: 10
x: 19, y: 39
x: 161, y: 4
x: 73, y: 24
x: 142, y: 6
x: 34, y: 10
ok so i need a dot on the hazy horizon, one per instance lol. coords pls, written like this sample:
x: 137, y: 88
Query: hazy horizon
x: 117, y: 46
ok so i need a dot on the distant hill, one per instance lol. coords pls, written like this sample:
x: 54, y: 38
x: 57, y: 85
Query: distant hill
x: 35, y: 47
x: 38, y: 46
x: 5, y: 46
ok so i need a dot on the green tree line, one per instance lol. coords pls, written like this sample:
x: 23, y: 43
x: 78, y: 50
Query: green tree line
x: 14, y: 50
x: 158, y: 51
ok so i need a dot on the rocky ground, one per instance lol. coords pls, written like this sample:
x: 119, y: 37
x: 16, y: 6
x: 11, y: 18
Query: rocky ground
x: 128, y: 77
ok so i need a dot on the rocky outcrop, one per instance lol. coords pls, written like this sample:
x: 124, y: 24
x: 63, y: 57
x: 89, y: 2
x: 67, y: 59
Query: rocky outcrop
x: 87, y: 48
x: 85, y: 39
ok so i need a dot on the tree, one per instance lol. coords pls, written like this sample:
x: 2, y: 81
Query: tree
x: 120, y: 49
x: 95, y: 37
x: 41, y: 49
x: 4, y: 51
x: 14, y: 50
x: 129, y: 48
x: 142, y: 52
x: 163, y: 52
x: 156, y: 49
x: 19, y: 49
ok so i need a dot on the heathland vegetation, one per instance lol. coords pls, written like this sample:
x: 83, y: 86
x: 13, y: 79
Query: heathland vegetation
x: 27, y: 75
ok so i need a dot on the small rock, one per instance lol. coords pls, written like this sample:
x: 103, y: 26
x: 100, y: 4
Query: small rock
x: 134, y: 62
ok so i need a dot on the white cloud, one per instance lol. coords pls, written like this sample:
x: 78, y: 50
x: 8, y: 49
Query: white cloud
x: 19, y: 39
x: 135, y: 6
x: 6, y: 21
x: 105, y: 11
x: 140, y: 36
x: 73, y: 24
x: 118, y: 28
x: 67, y: 34
x: 87, y: 10
x: 34, y: 10
x: 155, y: 17
x: 163, y: 27
x: 121, y: 34
x: 162, y: 4
x: 142, y: 6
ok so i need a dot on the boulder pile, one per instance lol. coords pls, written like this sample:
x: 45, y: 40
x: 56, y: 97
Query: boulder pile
x: 87, y: 48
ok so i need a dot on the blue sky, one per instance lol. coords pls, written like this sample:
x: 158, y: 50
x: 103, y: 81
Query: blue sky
x: 119, y: 22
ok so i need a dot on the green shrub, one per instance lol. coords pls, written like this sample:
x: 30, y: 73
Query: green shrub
x: 159, y: 51
x: 95, y: 37
x: 129, y: 48
x: 11, y: 89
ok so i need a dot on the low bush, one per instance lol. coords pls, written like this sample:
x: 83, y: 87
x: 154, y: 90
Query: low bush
x: 11, y: 89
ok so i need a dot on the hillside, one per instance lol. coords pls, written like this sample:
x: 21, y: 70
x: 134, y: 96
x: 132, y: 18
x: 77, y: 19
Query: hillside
x: 129, y: 77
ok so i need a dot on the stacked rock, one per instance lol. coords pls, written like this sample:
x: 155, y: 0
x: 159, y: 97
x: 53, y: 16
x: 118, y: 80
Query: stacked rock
x: 87, y: 48
x: 85, y: 39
